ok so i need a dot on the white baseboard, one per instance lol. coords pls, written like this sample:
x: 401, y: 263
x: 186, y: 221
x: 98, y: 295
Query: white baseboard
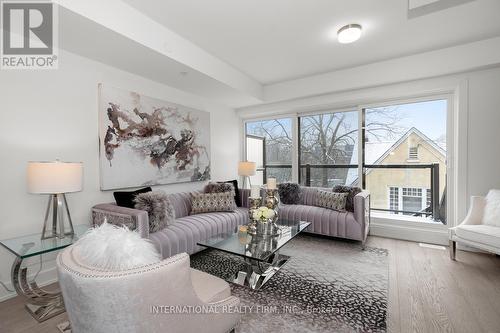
x: 45, y: 277
x: 415, y: 233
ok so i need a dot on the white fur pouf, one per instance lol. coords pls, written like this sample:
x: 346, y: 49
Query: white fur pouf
x: 113, y: 248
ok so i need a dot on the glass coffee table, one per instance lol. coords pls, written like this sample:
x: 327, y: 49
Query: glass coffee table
x: 261, y: 253
x: 41, y: 304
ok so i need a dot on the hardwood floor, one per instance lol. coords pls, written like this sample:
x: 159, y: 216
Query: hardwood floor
x: 427, y: 293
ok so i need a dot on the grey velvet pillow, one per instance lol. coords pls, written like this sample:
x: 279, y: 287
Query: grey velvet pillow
x: 160, y: 210
x: 290, y: 193
x: 219, y: 187
x: 331, y: 200
x: 351, y: 191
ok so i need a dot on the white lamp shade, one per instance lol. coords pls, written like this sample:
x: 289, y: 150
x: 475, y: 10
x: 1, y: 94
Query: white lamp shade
x: 54, y: 177
x: 247, y: 168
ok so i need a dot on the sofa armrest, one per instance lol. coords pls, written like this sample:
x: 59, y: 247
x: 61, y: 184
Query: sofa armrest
x: 134, y: 219
x: 244, y: 195
x: 362, y: 211
x: 475, y: 213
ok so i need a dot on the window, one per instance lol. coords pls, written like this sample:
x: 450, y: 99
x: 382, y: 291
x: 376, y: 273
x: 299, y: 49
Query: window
x: 394, y: 198
x: 412, y: 200
x: 402, y: 149
x: 269, y: 144
x: 428, y: 201
x: 402, y: 152
x: 327, y: 145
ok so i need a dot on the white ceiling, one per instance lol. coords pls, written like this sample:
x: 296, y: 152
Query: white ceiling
x: 279, y: 40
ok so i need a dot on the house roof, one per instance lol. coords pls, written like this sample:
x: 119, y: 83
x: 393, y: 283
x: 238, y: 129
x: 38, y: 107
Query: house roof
x: 377, y: 151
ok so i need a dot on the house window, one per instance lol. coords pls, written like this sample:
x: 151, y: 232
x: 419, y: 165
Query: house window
x: 412, y: 199
x: 429, y: 198
x: 394, y: 198
x: 413, y: 153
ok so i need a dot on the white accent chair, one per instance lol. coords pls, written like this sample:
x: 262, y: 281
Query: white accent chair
x: 473, y: 232
x: 140, y: 299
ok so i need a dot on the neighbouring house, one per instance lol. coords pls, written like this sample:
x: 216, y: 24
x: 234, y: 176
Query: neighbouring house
x: 406, y: 190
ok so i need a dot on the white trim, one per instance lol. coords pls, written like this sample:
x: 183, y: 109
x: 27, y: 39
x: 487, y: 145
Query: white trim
x: 326, y: 110
x: 295, y: 149
x: 458, y: 185
x: 417, y: 231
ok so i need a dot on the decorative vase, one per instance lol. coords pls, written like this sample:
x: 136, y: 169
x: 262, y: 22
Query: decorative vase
x: 267, y: 227
x: 272, y: 202
x: 254, y: 205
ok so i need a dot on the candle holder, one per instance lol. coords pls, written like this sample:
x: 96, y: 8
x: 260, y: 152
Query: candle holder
x: 272, y: 199
x: 254, y: 204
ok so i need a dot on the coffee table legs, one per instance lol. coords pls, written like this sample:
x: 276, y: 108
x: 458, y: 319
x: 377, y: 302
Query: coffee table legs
x: 41, y: 304
x: 258, y: 272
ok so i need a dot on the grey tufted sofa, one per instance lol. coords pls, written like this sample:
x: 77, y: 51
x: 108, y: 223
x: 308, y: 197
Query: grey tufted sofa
x: 188, y: 230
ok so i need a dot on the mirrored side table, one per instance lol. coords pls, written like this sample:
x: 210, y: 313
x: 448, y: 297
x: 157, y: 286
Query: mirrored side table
x: 41, y: 304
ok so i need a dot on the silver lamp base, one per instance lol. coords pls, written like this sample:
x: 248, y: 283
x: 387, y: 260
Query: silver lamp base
x: 245, y: 180
x: 57, y: 208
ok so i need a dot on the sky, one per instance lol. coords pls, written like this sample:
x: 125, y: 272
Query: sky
x: 429, y: 117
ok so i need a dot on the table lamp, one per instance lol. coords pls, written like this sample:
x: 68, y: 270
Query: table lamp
x: 247, y: 169
x: 55, y: 179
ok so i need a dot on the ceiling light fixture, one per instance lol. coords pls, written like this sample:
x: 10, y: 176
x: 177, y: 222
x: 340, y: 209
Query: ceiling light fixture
x: 349, y: 33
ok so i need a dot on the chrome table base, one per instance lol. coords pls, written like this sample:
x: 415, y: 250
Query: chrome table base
x: 258, y: 272
x: 41, y: 304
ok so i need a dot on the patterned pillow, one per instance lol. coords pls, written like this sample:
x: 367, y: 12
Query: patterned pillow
x: 351, y: 191
x: 160, y: 210
x: 289, y: 193
x: 331, y: 200
x: 212, y: 202
x: 237, y: 196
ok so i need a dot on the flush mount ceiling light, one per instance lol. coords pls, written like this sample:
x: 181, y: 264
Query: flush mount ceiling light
x: 349, y: 33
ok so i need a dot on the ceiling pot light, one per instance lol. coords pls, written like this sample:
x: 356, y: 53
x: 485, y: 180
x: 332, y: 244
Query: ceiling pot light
x: 349, y: 33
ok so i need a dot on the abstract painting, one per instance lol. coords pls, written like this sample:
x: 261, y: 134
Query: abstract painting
x: 147, y: 141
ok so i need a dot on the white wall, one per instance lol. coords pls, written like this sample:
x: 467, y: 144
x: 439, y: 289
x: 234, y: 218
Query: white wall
x: 484, y: 132
x: 53, y: 114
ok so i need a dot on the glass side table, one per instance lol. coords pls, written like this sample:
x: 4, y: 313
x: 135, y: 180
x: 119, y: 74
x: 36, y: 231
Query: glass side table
x: 41, y: 304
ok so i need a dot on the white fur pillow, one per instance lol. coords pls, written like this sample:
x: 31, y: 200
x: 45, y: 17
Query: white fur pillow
x: 491, y: 215
x: 113, y: 248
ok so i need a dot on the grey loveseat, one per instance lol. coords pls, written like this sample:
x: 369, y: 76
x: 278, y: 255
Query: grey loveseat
x: 188, y: 230
x: 351, y: 225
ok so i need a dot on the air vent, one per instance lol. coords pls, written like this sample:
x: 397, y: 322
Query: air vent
x: 418, y: 8
x: 413, y: 153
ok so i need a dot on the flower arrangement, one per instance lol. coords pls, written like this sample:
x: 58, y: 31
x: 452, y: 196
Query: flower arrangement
x: 263, y: 213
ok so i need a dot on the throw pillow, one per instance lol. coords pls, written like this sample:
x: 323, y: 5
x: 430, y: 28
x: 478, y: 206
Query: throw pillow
x: 331, y: 200
x: 219, y: 187
x: 491, y: 215
x: 212, y: 202
x: 237, y: 197
x: 351, y: 191
x: 113, y: 248
x: 126, y: 198
x: 289, y: 193
x: 160, y: 210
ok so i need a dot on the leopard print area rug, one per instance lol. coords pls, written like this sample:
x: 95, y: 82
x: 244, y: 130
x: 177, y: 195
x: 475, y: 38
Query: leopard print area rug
x: 328, y: 285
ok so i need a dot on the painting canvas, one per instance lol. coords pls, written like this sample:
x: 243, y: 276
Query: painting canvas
x: 147, y: 141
